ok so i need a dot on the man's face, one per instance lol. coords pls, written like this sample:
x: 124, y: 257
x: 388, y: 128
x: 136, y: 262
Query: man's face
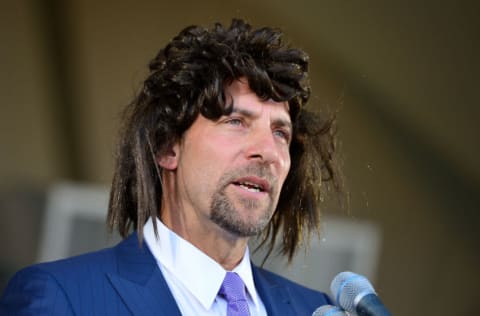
x: 229, y: 172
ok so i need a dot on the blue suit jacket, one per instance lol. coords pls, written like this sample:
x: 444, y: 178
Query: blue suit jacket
x: 126, y: 280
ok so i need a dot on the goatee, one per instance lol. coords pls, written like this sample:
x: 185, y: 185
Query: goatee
x: 224, y: 213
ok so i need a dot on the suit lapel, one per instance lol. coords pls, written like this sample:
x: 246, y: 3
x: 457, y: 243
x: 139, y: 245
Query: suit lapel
x: 275, y: 297
x: 142, y: 287
x: 139, y: 281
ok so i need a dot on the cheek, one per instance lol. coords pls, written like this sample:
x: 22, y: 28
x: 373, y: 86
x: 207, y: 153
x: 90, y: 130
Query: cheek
x: 209, y: 160
x: 285, y: 163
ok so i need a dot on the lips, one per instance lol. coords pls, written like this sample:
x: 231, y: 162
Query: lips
x: 253, y: 184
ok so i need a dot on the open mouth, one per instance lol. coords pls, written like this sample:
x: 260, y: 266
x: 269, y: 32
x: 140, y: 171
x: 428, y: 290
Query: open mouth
x: 249, y: 186
x: 253, y: 184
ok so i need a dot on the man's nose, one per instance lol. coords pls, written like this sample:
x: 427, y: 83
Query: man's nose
x: 263, y: 147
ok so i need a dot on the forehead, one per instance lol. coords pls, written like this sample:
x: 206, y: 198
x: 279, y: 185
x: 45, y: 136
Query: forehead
x: 244, y: 97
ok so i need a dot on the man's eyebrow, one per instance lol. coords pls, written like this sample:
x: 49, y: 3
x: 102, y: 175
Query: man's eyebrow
x: 242, y: 111
x: 279, y: 122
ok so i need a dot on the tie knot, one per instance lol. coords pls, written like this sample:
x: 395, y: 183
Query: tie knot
x: 233, y: 288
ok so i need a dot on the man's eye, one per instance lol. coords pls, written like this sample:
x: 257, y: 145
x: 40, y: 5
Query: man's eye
x: 283, y: 134
x: 234, y: 121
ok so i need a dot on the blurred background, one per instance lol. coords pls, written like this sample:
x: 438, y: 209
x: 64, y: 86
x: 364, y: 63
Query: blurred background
x: 403, y: 75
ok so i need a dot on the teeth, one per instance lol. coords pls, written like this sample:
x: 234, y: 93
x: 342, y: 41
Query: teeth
x: 250, y: 186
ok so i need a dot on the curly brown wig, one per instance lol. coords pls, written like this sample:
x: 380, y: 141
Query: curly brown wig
x: 187, y: 79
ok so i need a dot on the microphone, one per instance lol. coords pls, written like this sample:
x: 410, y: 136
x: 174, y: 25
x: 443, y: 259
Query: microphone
x: 355, y: 294
x: 329, y: 310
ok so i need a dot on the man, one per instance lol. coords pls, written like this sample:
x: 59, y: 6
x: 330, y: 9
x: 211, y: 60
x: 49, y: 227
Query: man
x: 216, y: 148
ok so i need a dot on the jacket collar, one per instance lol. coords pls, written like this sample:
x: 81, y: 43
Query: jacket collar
x: 142, y: 287
x: 140, y: 282
x: 275, y: 296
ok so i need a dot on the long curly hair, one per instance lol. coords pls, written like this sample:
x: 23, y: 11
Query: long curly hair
x: 187, y: 79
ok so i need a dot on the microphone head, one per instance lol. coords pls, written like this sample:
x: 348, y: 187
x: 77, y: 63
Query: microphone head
x: 329, y: 310
x: 349, y: 288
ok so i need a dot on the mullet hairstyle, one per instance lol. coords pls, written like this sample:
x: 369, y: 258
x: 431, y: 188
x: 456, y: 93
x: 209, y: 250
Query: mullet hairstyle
x: 186, y: 79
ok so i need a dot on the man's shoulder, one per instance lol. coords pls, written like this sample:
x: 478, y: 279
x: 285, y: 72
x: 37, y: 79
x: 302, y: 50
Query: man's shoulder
x: 63, y: 286
x: 90, y: 263
x: 79, y: 267
x: 96, y: 260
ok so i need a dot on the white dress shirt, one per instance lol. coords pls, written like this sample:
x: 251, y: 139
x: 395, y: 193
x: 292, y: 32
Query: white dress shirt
x: 193, y: 277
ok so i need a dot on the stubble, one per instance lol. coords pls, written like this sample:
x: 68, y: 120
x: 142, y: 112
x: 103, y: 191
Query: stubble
x: 225, y: 214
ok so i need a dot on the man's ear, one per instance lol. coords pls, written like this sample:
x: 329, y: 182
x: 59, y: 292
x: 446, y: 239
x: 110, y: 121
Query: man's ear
x: 168, y: 160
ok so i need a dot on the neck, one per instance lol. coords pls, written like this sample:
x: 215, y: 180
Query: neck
x: 198, y: 229
x: 221, y: 246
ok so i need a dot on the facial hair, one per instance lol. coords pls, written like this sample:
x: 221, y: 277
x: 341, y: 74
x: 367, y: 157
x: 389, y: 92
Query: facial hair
x: 224, y: 213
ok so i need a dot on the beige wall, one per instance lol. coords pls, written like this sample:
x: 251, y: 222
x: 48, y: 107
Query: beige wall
x: 27, y: 137
x: 406, y: 77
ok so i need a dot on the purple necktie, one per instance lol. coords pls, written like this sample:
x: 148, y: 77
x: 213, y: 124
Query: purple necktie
x: 233, y: 290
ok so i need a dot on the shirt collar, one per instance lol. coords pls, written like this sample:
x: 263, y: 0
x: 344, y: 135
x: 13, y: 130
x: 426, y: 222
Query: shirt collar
x: 204, y: 277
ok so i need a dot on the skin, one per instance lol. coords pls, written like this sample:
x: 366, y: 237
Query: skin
x: 209, y: 176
